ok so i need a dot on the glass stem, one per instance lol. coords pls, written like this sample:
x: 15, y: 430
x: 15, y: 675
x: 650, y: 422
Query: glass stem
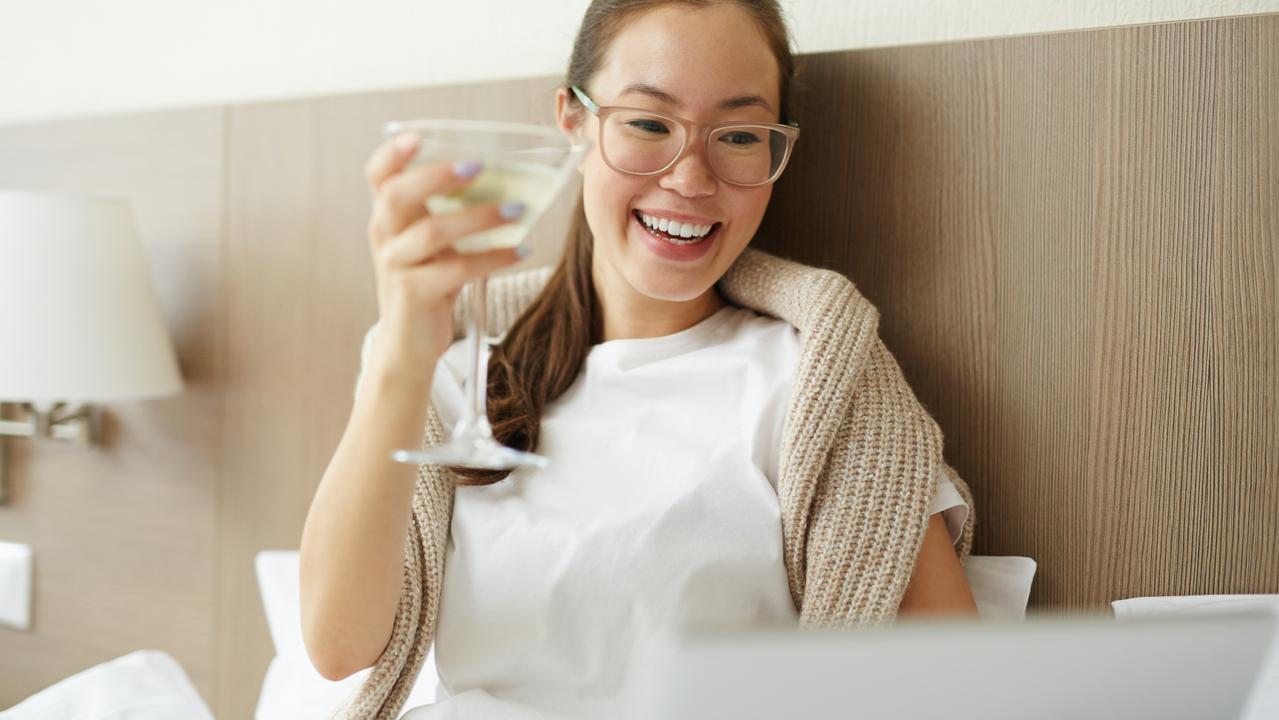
x: 474, y: 422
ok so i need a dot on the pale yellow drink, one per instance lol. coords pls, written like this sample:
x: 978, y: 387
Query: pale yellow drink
x: 534, y: 185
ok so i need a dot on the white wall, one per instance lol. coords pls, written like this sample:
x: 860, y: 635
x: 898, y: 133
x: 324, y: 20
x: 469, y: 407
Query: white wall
x: 62, y: 58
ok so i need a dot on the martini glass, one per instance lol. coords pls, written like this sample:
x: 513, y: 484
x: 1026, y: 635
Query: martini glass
x: 529, y: 163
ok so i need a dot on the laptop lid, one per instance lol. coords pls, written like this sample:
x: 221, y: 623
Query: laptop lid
x: 1045, y: 667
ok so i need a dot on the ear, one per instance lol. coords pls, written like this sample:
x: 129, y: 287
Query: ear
x: 569, y: 116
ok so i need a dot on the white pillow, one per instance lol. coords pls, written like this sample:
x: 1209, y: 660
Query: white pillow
x: 143, y: 685
x: 277, y: 572
x: 1001, y: 585
x: 293, y: 688
x: 1263, y: 703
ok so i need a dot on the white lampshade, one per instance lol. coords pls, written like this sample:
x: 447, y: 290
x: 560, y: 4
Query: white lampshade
x: 79, y: 321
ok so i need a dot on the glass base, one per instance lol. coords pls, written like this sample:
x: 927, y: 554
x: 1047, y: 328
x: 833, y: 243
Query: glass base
x: 480, y: 453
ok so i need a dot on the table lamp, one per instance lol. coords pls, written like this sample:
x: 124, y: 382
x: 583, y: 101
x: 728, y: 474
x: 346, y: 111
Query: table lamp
x: 79, y: 320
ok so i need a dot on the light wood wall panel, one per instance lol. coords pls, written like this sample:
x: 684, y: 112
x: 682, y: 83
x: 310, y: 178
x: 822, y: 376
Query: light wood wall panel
x: 124, y: 535
x: 1074, y: 243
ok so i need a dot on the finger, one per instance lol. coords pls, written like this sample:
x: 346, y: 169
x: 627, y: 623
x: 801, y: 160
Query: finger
x: 451, y: 272
x: 401, y: 200
x: 389, y: 158
x: 431, y: 235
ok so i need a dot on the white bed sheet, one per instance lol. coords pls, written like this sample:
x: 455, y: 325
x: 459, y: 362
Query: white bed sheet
x: 143, y: 685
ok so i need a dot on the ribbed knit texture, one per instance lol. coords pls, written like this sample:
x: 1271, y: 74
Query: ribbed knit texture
x: 859, y: 461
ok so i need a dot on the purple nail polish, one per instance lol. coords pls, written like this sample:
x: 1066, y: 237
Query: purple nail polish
x: 467, y: 169
x: 511, y: 209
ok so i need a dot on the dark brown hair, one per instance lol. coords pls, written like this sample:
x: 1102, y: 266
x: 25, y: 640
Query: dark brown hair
x: 545, y: 348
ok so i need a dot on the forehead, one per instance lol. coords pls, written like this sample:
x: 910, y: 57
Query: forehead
x: 698, y: 55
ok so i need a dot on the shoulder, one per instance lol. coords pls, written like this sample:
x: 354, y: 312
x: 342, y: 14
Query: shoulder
x: 815, y: 300
x: 756, y: 267
x: 769, y: 345
x: 749, y: 324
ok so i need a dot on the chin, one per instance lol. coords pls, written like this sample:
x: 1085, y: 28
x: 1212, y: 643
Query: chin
x: 661, y: 284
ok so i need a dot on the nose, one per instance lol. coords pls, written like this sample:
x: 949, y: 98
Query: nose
x: 691, y: 175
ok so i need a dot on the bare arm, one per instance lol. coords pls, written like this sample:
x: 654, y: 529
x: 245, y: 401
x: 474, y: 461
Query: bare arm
x: 938, y: 585
x: 352, y: 555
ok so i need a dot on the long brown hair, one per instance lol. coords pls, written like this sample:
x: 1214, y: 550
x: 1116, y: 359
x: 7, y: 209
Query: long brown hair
x: 544, y: 350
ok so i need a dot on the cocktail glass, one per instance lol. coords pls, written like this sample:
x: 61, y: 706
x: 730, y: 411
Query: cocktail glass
x: 529, y: 163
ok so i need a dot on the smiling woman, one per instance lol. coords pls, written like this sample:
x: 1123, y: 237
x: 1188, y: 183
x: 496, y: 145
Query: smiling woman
x: 723, y: 426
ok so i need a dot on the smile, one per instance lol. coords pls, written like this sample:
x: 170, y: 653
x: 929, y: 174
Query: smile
x: 675, y: 232
x: 676, y: 240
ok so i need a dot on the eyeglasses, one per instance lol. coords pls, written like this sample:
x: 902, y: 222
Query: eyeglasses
x: 643, y: 142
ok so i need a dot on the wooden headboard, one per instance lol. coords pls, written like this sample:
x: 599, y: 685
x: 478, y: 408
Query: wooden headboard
x: 1073, y: 240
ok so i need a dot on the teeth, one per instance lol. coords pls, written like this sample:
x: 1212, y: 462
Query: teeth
x: 677, y: 229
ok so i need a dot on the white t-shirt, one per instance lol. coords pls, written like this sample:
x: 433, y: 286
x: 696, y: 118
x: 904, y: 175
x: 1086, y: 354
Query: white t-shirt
x: 658, y: 513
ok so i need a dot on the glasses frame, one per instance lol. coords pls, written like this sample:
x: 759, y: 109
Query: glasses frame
x: 790, y: 130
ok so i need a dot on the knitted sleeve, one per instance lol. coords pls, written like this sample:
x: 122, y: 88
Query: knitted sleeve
x: 508, y: 295
x: 870, y: 509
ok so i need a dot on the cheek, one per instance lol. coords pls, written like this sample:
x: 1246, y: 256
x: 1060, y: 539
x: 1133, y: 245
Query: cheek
x: 607, y: 195
x: 747, y: 211
x: 754, y: 202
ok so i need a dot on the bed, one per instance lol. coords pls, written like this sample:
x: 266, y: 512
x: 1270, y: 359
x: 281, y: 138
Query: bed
x: 151, y: 685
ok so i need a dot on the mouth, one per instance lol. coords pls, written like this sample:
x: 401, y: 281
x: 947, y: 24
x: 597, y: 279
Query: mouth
x: 676, y: 233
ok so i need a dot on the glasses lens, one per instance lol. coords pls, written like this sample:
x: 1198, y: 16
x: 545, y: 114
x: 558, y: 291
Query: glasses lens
x: 747, y: 154
x: 640, y: 143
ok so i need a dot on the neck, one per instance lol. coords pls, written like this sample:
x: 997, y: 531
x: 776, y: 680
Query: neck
x: 631, y: 314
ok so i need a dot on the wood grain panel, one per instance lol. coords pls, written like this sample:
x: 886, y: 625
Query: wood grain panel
x: 1072, y: 238
x: 124, y: 534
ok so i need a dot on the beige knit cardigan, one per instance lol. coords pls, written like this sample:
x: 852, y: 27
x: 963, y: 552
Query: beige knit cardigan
x: 858, y: 469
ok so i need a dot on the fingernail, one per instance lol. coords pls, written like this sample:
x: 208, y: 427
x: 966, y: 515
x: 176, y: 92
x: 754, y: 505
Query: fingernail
x: 523, y: 251
x: 511, y: 209
x: 467, y: 169
x: 406, y: 142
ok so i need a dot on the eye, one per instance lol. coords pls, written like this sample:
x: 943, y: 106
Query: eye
x: 740, y: 138
x: 648, y: 126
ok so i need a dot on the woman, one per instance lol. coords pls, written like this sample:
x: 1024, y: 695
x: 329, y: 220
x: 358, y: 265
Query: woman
x: 712, y: 466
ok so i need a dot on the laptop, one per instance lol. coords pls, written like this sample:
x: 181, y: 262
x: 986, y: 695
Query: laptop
x: 1078, y: 666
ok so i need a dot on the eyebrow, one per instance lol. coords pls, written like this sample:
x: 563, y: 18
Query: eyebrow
x: 660, y: 95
